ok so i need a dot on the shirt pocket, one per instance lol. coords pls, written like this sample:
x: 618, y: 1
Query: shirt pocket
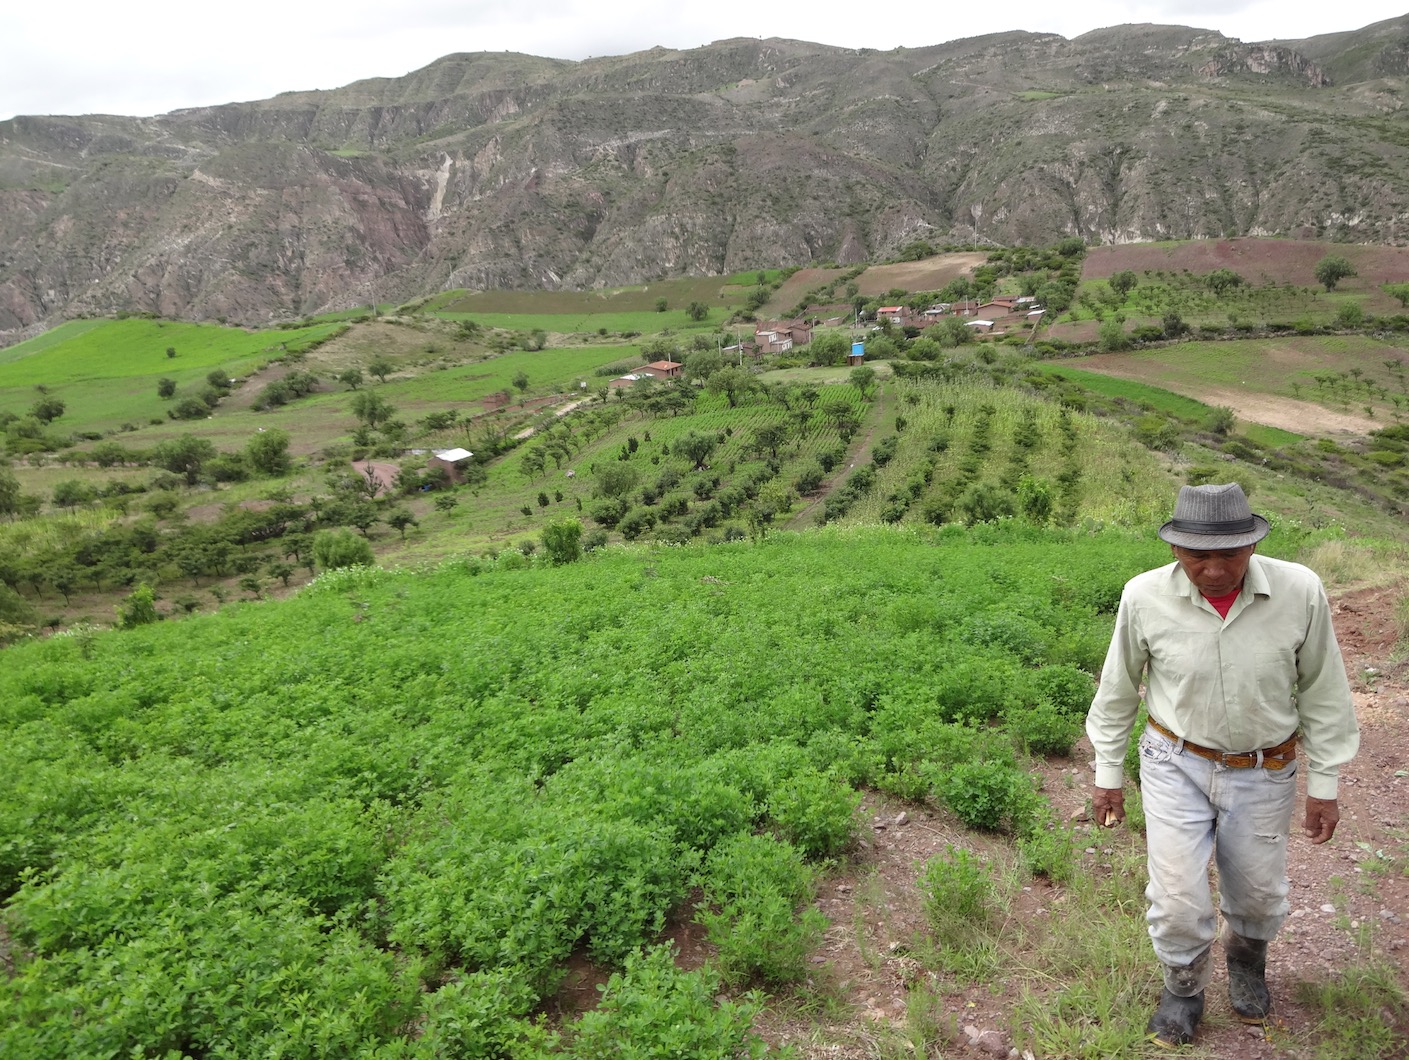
x: 1270, y: 698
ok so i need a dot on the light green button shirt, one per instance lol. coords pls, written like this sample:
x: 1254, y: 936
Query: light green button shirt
x: 1236, y: 684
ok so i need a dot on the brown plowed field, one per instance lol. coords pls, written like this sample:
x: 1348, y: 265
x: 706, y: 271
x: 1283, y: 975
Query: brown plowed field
x: 928, y: 275
x: 1258, y: 261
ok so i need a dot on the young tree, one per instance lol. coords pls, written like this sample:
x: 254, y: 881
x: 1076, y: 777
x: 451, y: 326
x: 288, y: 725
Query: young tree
x: 1123, y: 282
x: 733, y: 383
x: 9, y: 493
x: 371, y: 408
x: 616, y: 479
x: 47, y: 409
x: 862, y: 376
x: 769, y: 437
x: 400, y: 519
x: 1112, y: 337
x: 185, y: 455
x: 521, y: 381
x: 697, y: 311
x: 268, y: 452
x: 701, y: 364
x: 828, y: 348
x: 166, y: 387
x: 71, y: 493
x: 351, y: 378
x: 1331, y: 269
x: 138, y: 608
x: 662, y: 305
x: 562, y: 540
x: 696, y: 446
x: 1221, y: 281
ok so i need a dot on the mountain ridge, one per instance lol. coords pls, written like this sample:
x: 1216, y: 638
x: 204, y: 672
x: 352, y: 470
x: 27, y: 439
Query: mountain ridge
x: 496, y: 169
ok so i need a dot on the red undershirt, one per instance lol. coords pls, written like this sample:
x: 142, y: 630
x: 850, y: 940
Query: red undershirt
x: 1221, y: 604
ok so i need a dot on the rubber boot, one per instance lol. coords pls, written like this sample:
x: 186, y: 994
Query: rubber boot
x: 1174, y: 1021
x: 1247, y: 983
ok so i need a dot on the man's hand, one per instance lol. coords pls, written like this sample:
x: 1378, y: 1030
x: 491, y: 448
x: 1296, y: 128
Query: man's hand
x: 1322, y: 816
x: 1108, y: 806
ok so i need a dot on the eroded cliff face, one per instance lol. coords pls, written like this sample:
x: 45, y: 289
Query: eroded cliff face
x: 490, y: 171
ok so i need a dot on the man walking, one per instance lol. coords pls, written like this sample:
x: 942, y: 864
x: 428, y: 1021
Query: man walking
x: 1240, y: 664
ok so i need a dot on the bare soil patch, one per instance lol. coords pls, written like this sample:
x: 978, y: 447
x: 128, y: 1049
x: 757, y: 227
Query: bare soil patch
x: 1272, y: 410
x: 1258, y: 261
x: 1300, y: 417
x: 928, y: 275
x: 791, y: 290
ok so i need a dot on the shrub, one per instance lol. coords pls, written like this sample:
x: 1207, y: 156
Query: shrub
x: 562, y: 540
x: 1047, y: 847
x: 753, y: 886
x: 987, y: 795
x: 341, y: 548
x: 815, y: 813
x: 636, y: 522
x: 138, y: 608
x: 653, y: 1009
x: 482, y: 1014
x: 957, y: 893
x: 1044, y: 730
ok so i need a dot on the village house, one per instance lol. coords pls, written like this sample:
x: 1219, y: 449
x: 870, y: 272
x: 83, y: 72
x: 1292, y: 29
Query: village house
x: 449, y: 461
x: 661, y: 369
x: 775, y: 337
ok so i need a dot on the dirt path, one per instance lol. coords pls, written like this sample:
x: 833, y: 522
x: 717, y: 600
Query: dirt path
x: 879, y: 414
x: 1349, y: 899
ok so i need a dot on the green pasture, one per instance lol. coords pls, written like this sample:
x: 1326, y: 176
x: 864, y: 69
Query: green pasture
x: 123, y: 349
x: 640, y: 321
x: 639, y: 298
x: 55, y: 336
x: 1140, y: 393
x: 1270, y: 365
x: 549, y: 371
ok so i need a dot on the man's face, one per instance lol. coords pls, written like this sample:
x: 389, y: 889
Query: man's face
x: 1217, y: 572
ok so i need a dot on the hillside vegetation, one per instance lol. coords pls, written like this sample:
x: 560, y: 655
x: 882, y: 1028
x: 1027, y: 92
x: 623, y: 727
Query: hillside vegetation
x: 204, y: 461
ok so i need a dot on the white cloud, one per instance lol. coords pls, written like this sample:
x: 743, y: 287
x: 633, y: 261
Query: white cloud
x: 159, y: 55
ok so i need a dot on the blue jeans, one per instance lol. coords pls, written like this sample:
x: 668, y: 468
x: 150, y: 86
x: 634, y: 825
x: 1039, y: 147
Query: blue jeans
x: 1195, y: 808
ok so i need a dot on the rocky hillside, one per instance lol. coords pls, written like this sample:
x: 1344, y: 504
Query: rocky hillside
x: 504, y: 170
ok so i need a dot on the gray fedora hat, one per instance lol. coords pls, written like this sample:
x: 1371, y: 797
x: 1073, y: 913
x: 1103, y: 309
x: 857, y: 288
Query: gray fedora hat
x: 1213, y: 517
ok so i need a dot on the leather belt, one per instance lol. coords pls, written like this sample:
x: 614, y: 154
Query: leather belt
x: 1268, y: 758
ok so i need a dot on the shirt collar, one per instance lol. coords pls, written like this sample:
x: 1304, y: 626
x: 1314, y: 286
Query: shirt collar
x: 1255, y: 582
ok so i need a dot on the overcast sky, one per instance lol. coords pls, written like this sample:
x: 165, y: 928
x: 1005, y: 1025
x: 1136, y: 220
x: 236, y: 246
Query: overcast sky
x: 152, y: 56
